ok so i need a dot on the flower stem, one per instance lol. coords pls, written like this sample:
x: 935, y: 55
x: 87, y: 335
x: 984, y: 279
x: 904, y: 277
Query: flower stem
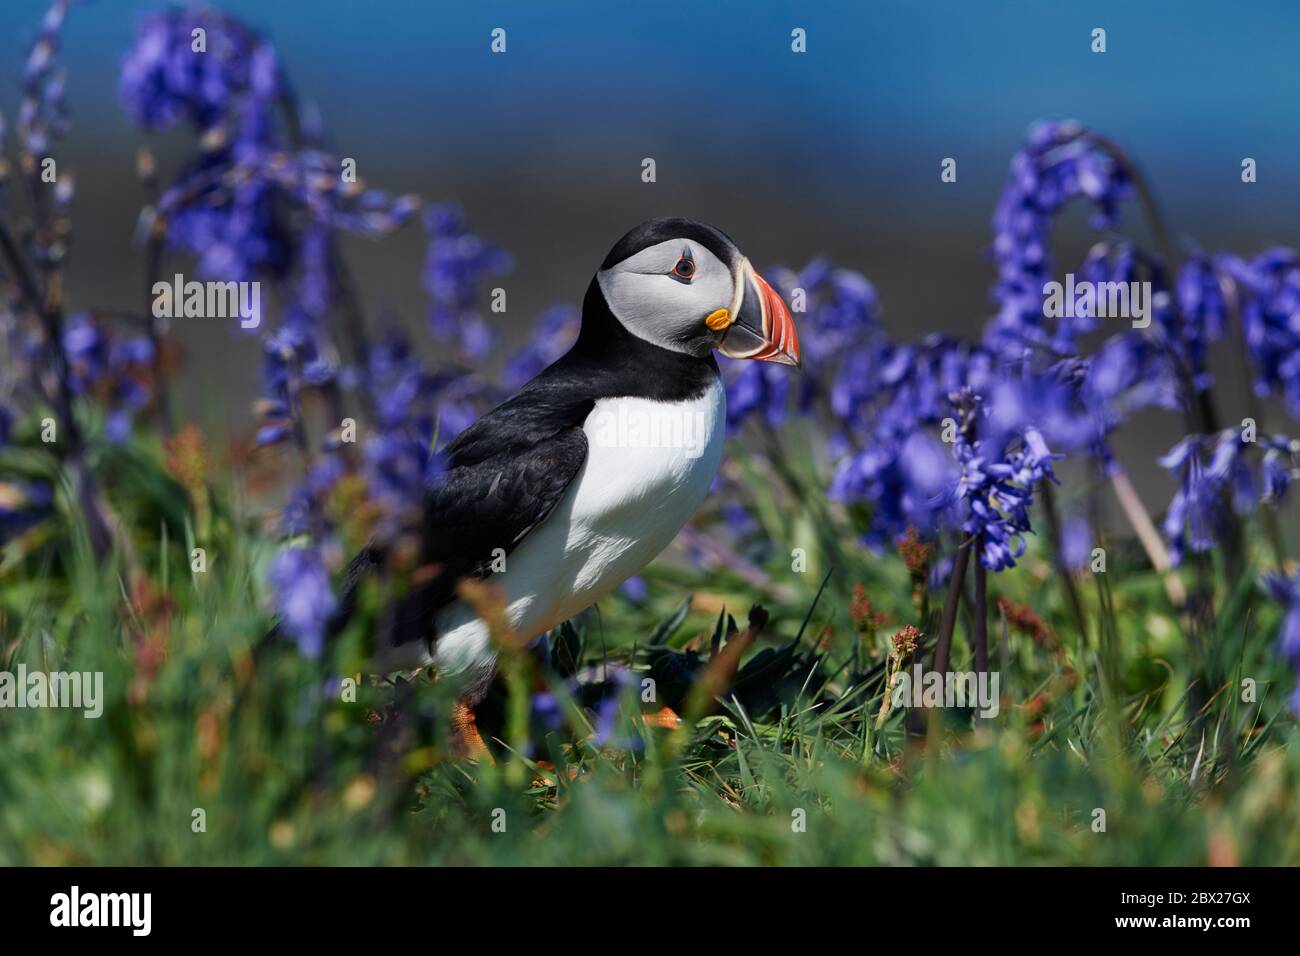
x: 1147, y: 534
x: 1147, y: 199
x: 948, y: 622
x: 1067, y: 580
x: 155, y: 327
x: 981, y: 614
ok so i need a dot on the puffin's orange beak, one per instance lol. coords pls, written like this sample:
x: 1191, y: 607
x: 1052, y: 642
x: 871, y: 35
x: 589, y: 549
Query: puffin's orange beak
x: 763, y: 328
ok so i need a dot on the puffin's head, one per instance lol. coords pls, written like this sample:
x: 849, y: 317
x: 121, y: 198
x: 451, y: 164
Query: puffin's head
x: 682, y: 285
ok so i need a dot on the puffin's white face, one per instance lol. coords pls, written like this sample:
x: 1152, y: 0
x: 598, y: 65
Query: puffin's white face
x: 680, y: 294
x: 665, y: 292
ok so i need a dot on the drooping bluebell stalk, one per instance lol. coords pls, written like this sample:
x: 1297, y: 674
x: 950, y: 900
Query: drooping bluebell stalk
x: 259, y: 200
x: 1215, y: 473
x: 1059, y: 163
x: 1286, y: 591
x: 35, y: 331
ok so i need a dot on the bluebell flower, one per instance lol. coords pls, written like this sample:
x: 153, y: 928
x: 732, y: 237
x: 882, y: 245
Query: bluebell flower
x: 164, y: 81
x: 229, y: 205
x: 758, y: 387
x: 455, y: 267
x: 1279, y: 468
x: 911, y: 482
x: 303, y: 510
x: 399, y: 459
x: 547, y: 710
x: 108, y: 369
x: 1269, y: 287
x: 1286, y: 591
x: 303, y: 597
x: 940, y: 572
x: 23, y: 504
x: 1076, y: 543
x: 231, y: 222
x: 286, y: 353
x: 1195, y: 513
x: 1216, y: 472
x: 607, y: 709
x: 635, y: 589
x: 1200, y: 319
x: 841, y: 339
x: 1002, y: 461
x: 554, y: 335
x: 461, y: 399
x: 841, y: 309
x: 309, y: 179
x: 739, y: 519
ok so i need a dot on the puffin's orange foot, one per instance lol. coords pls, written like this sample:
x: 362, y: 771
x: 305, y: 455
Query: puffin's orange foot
x: 666, y: 719
x: 469, y: 740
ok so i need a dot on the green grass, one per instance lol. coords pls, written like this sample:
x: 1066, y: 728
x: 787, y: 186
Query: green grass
x: 286, y: 771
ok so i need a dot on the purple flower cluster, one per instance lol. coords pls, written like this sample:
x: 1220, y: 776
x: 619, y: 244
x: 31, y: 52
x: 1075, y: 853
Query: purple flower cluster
x: 1002, y: 459
x: 840, y: 316
x: 230, y: 206
x: 454, y: 269
x: 200, y: 67
x: 1269, y: 287
x: 259, y: 200
x: 886, y: 403
x: 1195, y: 317
x: 902, y: 467
x: 1215, y: 473
x: 400, y: 462
x: 110, y: 369
x: 304, y: 597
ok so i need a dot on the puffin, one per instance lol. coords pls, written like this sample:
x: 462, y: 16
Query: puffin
x: 577, y: 481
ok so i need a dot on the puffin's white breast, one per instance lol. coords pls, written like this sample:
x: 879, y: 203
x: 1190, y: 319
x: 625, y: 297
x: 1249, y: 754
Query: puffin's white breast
x: 649, y: 465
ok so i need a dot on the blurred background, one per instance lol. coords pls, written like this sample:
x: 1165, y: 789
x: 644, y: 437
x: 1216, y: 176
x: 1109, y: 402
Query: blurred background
x: 833, y: 152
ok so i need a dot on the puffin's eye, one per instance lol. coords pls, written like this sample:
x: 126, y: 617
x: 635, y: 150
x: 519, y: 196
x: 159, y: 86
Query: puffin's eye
x: 685, y: 268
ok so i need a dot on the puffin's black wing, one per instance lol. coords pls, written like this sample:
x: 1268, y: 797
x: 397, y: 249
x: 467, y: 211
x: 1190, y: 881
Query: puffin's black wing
x: 493, y: 503
x: 504, y: 477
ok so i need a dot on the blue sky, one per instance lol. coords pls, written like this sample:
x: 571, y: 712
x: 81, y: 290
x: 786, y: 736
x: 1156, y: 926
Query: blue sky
x: 884, y: 89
